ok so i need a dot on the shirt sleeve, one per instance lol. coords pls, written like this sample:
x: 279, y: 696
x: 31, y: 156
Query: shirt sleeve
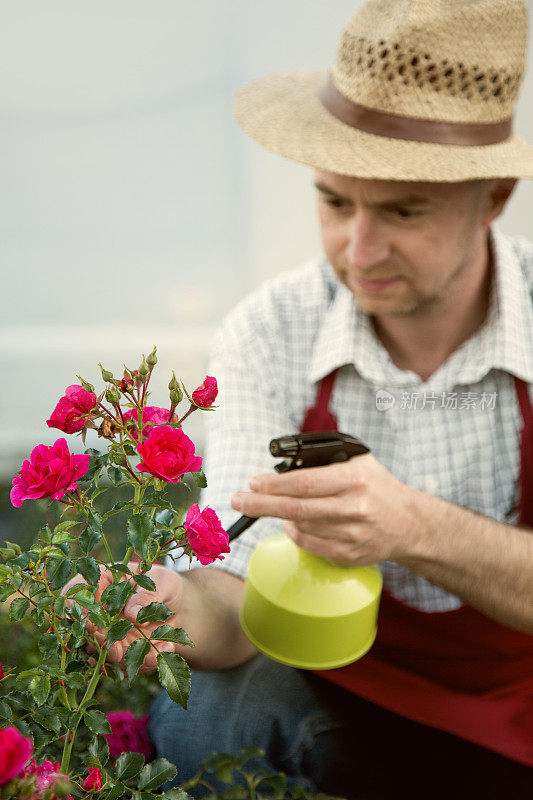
x: 247, y: 359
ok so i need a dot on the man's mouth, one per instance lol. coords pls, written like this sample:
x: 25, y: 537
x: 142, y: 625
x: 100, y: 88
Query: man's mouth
x: 375, y: 285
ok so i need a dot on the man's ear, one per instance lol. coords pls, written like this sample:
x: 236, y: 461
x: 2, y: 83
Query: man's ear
x: 497, y: 196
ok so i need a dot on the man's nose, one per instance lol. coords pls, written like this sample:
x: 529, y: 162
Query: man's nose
x: 367, y: 243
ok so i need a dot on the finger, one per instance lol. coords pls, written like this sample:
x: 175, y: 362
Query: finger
x: 323, y: 481
x: 292, y: 508
x: 336, y: 552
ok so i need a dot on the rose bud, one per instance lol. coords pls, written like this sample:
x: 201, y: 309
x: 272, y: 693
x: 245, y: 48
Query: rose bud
x: 93, y: 779
x: 205, y: 395
x: 69, y: 413
x: 152, y: 359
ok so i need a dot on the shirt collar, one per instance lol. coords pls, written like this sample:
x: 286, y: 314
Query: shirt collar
x: 505, y: 341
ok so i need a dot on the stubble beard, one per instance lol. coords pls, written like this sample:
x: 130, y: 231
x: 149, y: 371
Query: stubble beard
x: 416, y: 305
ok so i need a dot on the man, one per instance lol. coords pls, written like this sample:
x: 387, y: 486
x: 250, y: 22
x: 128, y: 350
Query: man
x: 420, y: 298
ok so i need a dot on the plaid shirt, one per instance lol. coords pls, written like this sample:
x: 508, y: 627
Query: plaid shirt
x: 455, y: 435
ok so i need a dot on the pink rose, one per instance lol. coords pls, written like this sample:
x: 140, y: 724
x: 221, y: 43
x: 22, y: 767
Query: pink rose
x: 205, y: 395
x: 74, y: 404
x: 205, y: 534
x: 152, y: 417
x: 93, y: 779
x: 168, y: 453
x: 15, y: 750
x: 130, y: 734
x: 50, y: 472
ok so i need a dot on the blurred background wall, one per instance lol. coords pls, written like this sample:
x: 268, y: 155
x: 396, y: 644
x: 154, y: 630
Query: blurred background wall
x: 133, y: 210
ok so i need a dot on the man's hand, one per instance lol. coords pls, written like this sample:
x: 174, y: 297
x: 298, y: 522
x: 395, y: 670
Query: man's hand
x: 168, y: 591
x: 355, y: 512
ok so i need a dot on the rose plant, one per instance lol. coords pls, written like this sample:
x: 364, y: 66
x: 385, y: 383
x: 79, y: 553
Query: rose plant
x: 52, y: 706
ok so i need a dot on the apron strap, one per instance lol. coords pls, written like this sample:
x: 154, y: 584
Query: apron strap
x: 319, y: 417
x: 526, y: 454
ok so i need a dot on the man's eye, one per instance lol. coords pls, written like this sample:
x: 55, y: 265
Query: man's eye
x: 404, y: 213
x: 334, y: 202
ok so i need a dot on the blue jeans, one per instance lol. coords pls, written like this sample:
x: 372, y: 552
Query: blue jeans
x: 260, y: 703
x: 325, y: 739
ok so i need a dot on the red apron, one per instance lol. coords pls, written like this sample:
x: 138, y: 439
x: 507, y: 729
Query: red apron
x: 458, y: 671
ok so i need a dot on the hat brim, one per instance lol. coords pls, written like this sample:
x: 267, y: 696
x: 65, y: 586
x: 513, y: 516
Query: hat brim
x: 283, y: 113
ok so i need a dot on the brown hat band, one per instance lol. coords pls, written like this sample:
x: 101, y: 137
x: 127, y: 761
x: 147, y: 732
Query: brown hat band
x: 413, y: 129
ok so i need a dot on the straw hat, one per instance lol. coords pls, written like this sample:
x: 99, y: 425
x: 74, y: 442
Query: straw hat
x: 421, y: 90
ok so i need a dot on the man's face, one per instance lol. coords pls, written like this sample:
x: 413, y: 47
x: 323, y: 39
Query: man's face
x: 403, y: 248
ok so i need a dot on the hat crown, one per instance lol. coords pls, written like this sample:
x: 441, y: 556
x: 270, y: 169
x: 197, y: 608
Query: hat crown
x: 448, y: 60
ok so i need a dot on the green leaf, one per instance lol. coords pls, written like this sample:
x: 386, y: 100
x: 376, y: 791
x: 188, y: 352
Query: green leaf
x: 92, y: 761
x: 85, y: 597
x: 48, y: 645
x: 156, y: 773
x: 99, y: 749
x: 199, y: 479
x: 40, y: 688
x: 120, y: 506
x: 47, y: 718
x: 122, y: 569
x: 115, y: 475
x: 116, y: 595
x: 249, y: 753
x: 75, y: 680
x: 139, y: 530
x: 224, y: 769
x: 99, y: 618
x: 134, y: 657
x: 18, y: 608
x: 97, y: 721
x: 146, y: 582
x: 166, y: 633
x: 154, y: 612
x: 89, y: 569
x: 212, y: 761
x: 66, y: 525
x: 45, y: 602
x: 59, y: 573
x: 95, y: 520
x: 118, y: 631
x: 165, y: 517
x: 88, y: 540
x: 176, y: 794
x: 5, y: 710
x: 40, y: 736
x: 116, y: 791
x: 128, y: 765
x: 61, y: 536
x: 175, y: 677
x: 235, y: 793
x: 59, y: 605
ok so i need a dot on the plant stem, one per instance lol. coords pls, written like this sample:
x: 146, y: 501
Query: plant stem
x: 190, y: 411
x: 89, y: 692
